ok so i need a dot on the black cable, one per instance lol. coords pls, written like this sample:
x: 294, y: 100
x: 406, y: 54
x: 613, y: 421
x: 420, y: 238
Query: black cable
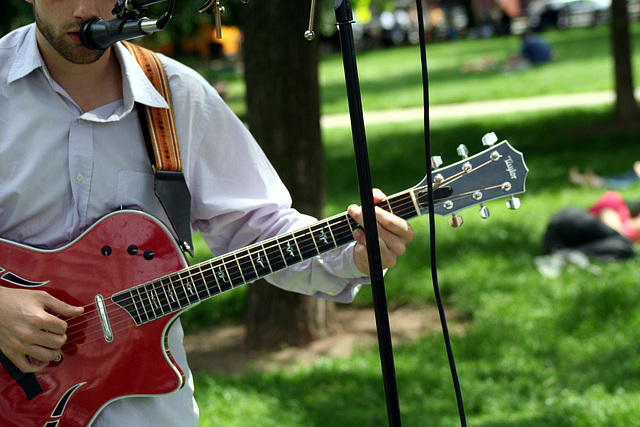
x: 164, y: 19
x: 432, y: 228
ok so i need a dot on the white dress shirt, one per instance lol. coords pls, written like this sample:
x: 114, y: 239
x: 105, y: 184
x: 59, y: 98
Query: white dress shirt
x: 61, y: 169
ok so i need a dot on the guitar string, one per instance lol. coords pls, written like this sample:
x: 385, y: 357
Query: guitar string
x: 78, y: 322
x: 124, y: 323
x: 339, y: 232
x: 163, y: 307
x: 247, y: 262
x: 74, y: 323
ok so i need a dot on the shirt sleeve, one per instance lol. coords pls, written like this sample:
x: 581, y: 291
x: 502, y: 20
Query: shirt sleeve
x: 238, y: 198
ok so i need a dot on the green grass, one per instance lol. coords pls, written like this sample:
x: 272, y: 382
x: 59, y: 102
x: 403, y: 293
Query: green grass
x: 391, y: 78
x: 535, y: 351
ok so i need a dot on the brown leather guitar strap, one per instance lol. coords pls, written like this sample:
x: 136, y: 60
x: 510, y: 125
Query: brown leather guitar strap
x: 161, y: 139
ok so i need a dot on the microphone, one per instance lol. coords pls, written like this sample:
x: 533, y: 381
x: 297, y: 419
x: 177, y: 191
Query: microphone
x: 99, y: 33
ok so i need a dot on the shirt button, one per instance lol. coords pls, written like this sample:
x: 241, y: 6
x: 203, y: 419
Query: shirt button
x: 80, y: 121
x: 79, y: 177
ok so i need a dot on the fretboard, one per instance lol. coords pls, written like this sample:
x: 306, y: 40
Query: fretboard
x: 181, y: 290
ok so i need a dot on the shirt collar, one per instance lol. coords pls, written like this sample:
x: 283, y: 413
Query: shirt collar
x: 27, y: 57
x: 136, y: 85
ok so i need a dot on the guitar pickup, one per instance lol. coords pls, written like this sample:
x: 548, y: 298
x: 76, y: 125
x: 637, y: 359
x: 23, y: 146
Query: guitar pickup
x: 107, y: 332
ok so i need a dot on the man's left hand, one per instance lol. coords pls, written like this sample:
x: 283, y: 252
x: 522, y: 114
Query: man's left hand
x: 393, y: 235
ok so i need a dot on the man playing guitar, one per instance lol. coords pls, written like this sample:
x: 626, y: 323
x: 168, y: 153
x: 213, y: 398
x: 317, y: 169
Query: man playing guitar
x: 72, y: 151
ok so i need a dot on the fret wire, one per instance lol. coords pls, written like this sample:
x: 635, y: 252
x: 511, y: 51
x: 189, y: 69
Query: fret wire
x: 171, y: 296
x: 224, y: 264
x: 209, y: 279
x: 239, y: 267
x: 221, y: 276
x: 333, y: 237
x: 404, y: 205
x: 167, y: 297
x: 204, y: 282
x: 264, y: 251
x: 394, y: 201
x: 245, y: 263
x: 295, y: 241
x: 212, y: 278
x: 133, y: 301
x: 150, y: 302
x: 183, y: 296
x: 230, y: 264
x: 149, y: 292
x: 191, y: 292
x: 155, y: 298
x: 146, y: 315
x: 186, y: 286
x: 174, y: 294
x: 349, y: 219
x: 284, y: 259
x: 226, y: 273
x: 252, y: 263
x: 201, y: 291
x: 306, y: 249
x: 313, y: 239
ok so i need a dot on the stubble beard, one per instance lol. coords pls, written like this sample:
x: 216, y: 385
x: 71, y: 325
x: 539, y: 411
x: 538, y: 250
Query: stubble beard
x: 61, y: 43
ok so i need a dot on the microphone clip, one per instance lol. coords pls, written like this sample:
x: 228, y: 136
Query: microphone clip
x: 213, y: 7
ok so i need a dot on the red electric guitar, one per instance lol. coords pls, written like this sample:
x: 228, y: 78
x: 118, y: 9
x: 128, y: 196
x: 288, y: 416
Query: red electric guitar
x: 133, y: 281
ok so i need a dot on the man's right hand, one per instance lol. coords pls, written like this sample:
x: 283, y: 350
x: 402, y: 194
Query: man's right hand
x: 32, y: 332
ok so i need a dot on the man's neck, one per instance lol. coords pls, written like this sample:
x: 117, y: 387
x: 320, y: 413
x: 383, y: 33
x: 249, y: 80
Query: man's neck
x: 89, y: 85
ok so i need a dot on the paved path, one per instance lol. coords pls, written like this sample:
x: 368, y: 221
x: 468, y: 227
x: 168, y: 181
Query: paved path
x: 474, y: 109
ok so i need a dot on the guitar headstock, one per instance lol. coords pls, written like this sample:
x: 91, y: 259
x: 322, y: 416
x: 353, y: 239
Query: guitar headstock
x: 499, y: 171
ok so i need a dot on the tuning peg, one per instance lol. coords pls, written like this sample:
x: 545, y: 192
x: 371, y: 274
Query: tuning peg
x: 489, y: 139
x: 463, y: 151
x: 513, y: 203
x: 455, y: 221
x: 436, y: 162
x: 484, y: 211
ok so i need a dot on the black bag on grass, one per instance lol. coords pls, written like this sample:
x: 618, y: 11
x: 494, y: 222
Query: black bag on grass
x: 576, y: 229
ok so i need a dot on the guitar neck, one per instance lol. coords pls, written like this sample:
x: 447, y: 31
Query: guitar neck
x: 185, y: 288
x: 496, y: 172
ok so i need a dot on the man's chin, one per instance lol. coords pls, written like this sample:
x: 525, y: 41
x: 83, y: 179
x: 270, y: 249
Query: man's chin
x: 79, y: 54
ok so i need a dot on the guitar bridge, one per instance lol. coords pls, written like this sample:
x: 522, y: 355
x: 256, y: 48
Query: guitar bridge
x: 107, y: 332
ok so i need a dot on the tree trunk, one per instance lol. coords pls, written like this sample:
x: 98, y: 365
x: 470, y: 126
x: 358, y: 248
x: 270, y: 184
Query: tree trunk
x: 276, y: 317
x: 283, y: 102
x: 626, y: 107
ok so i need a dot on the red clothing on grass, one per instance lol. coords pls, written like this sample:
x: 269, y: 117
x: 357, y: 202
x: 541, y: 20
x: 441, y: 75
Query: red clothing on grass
x: 613, y: 200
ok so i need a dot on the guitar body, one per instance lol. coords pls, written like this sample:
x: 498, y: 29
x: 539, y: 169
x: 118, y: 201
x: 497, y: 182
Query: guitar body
x: 94, y: 371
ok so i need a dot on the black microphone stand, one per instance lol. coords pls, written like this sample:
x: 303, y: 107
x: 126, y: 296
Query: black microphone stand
x: 344, y: 18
